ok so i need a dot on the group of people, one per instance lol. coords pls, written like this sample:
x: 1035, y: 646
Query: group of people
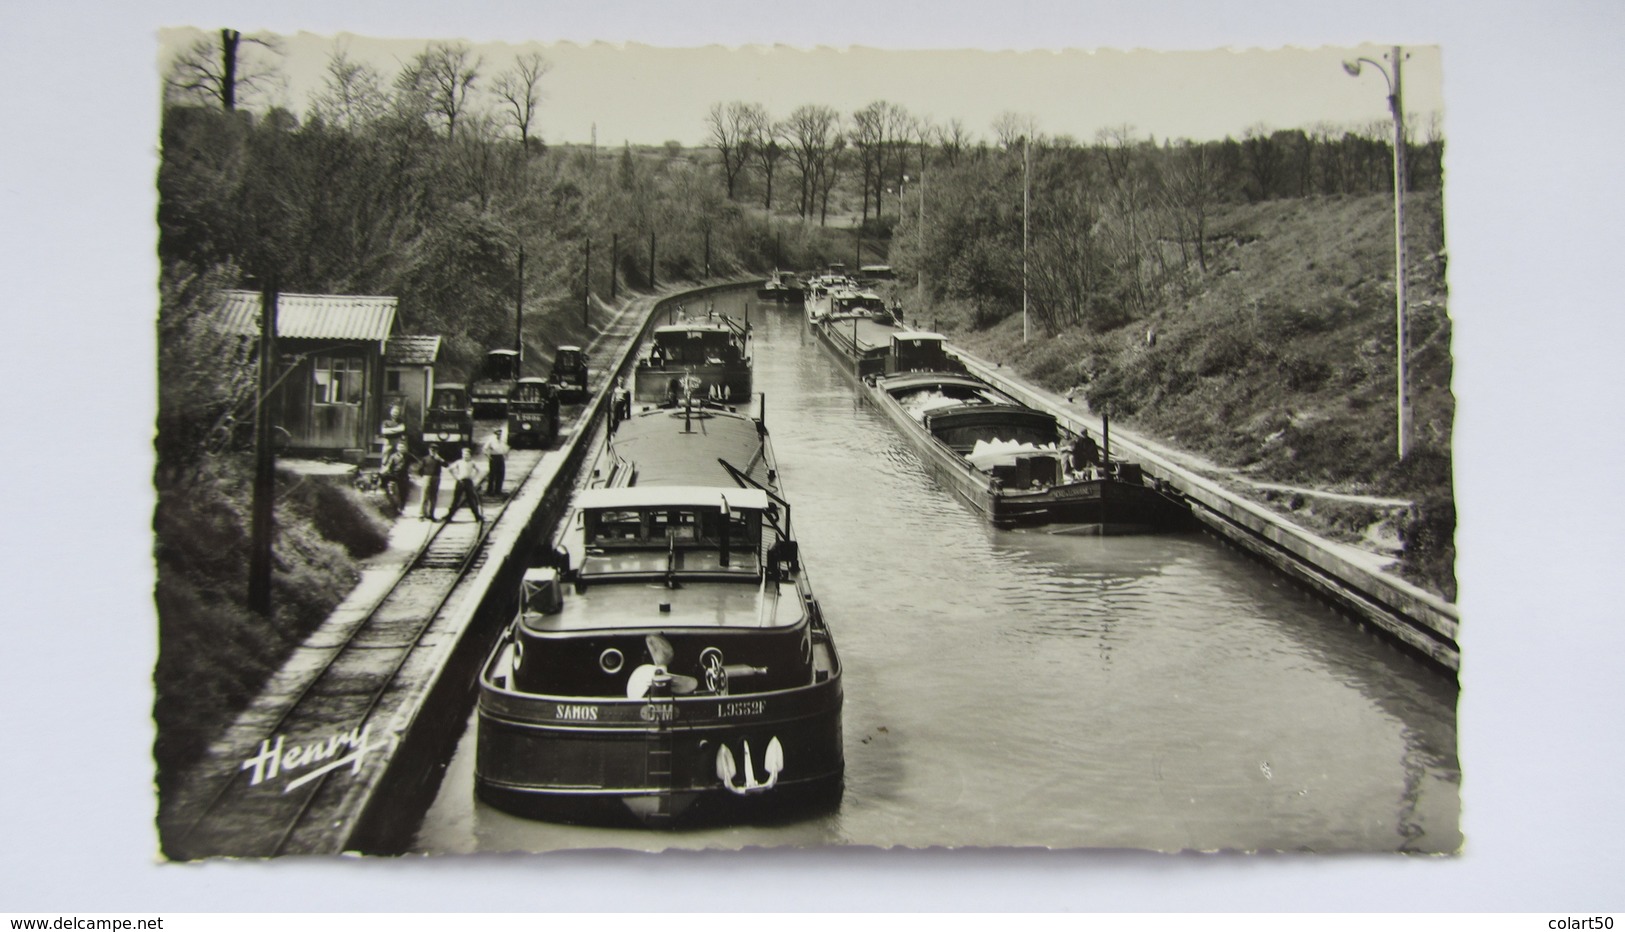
x: 395, y: 472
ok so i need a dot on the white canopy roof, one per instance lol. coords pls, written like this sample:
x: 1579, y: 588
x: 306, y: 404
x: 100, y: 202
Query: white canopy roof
x: 645, y: 496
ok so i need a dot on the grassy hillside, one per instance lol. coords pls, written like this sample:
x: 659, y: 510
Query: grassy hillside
x: 214, y: 654
x: 1279, y: 363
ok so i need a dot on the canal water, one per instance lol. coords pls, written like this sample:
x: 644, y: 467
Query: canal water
x: 1042, y: 688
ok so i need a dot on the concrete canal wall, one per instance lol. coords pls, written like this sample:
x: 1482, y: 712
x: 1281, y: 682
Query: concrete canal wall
x: 1417, y: 619
x: 437, y: 686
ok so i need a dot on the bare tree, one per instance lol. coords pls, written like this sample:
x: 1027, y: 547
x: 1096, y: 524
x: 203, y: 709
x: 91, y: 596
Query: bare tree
x: 219, y: 72
x: 352, y: 94
x: 1190, y: 190
x: 828, y: 174
x: 953, y: 139
x: 440, y: 80
x: 1125, y: 212
x: 867, y: 137
x: 809, y: 130
x: 762, y: 137
x: 1265, y: 159
x: 1116, y: 145
x: 729, y: 124
x: 1010, y: 127
x: 519, y: 89
x: 925, y: 135
x: 896, y: 127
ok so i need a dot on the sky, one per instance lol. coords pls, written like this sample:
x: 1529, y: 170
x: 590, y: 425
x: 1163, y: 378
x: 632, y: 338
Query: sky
x: 1535, y: 113
x: 649, y: 93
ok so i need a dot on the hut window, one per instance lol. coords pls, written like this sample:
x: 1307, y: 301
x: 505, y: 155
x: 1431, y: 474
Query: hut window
x: 392, y: 381
x: 339, y: 380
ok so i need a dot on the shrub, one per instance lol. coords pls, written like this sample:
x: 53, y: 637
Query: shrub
x: 1229, y: 349
x: 1429, y: 538
x: 1305, y: 373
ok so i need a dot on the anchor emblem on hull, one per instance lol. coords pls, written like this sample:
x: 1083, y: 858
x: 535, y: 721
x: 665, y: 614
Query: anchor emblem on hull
x: 772, y: 763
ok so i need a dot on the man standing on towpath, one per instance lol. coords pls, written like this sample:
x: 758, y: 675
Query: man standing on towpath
x: 430, y: 467
x: 466, y: 474
x: 496, y: 452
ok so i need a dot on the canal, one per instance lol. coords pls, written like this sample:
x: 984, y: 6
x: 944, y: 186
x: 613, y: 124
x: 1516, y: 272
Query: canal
x: 1044, y: 688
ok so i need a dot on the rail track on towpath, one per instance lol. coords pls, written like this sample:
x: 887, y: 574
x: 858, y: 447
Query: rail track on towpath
x: 282, y: 779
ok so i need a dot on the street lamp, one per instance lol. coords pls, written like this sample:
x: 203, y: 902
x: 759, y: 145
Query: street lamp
x: 1396, y: 104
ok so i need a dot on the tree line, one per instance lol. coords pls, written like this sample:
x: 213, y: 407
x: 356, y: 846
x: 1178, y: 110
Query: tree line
x: 428, y: 184
x: 1111, y: 224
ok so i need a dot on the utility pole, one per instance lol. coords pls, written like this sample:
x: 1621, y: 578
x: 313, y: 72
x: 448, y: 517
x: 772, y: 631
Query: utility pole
x: 229, y: 41
x: 614, y: 264
x: 920, y: 282
x: 1026, y: 197
x: 586, y: 286
x: 264, y: 506
x: 519, y: 308
x: 708, y: 252
x: 651, y: 260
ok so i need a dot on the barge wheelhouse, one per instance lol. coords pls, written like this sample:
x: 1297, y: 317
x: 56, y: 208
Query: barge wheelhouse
x: 782, y: 287
x: 858, y: 330
x: 707, y: 358
x: 683, y: 672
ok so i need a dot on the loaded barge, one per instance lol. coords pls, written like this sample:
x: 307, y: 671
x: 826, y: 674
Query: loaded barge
x: 674, y: 666
x: 1015, y: 465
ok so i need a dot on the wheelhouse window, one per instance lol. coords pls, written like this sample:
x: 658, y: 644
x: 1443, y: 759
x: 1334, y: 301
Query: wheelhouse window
x: 615, y: 527
x: 339, y: 380
x: 661, y: 526
x: 674, y: 525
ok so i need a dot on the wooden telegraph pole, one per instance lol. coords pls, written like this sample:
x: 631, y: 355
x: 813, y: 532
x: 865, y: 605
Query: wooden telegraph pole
x: 651, y: 260
x: 586, y: 286
x: 519, y: 307
x: 614, y: 264
x: 263, y: 530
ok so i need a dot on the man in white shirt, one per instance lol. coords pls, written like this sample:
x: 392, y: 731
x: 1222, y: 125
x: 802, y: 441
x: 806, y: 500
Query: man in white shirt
x: 496, y: 452
x: 465, y: 473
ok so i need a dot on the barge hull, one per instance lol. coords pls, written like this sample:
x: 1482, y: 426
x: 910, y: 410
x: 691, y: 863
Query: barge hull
x: 660, y: 774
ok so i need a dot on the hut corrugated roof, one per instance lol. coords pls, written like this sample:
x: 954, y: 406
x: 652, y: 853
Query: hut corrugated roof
x: 412, y: 350
x: 312, y: 316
